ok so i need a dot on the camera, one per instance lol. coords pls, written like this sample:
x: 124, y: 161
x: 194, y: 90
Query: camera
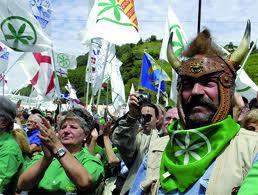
x: 143, y: 97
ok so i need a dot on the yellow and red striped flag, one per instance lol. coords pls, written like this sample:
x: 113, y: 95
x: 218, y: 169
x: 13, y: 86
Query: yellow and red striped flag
x: 128, y: 7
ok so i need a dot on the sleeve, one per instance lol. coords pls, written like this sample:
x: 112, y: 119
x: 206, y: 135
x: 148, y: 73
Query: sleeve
x: 95, y: 169
x: 249, y: 186
x: 124, y: 138
x: 10, y: 165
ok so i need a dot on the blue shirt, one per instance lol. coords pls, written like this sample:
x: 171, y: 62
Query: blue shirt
x: 33, y: 138
x: 198, y: 188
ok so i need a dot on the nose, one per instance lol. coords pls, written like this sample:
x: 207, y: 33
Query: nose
x: 197, y: 89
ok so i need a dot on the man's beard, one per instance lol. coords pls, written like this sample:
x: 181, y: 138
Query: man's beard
x: 199, y: 120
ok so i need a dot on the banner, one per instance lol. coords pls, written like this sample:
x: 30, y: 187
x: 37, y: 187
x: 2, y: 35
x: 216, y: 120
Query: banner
x: 64, y: 62
x: 98, y: 58
x: 179, y: 42
x: 114, y: 21
x: 19, y: 29
x: 39, y: 70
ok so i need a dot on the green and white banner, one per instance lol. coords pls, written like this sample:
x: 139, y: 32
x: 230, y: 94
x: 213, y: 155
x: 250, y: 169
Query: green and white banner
x: 19, y: 29
x: 107, y: 20
x: 63, y: 62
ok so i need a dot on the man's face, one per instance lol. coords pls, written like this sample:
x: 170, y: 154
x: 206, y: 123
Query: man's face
x: 149, y: 118
x: 200, y: 101
x: 32, y: 123
x: 170, y: 116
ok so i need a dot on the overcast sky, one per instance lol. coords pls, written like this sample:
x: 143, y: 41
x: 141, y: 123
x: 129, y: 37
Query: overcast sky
x: 226, y: 20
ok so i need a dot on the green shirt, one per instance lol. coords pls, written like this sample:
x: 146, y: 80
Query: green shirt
x: 11, y: 162
x: 55, y: 178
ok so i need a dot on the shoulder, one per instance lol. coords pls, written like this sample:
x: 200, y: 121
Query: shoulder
x: 84, y: 156
x: 246, y: 136
x: 9, y: 144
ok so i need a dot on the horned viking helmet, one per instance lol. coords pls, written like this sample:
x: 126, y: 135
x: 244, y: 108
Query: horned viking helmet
x: 202, y: 65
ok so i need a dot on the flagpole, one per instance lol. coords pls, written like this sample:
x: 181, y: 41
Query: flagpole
x: 107, y: 93
x: 88, y: 82
x: 199, y: 16
x: 244, y: 62
x: 158, y: 94
x: 103, y: 72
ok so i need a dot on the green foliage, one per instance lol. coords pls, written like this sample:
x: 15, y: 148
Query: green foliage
x: 251, y: 67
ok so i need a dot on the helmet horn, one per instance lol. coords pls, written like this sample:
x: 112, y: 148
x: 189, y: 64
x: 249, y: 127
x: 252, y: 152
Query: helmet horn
x: 237, y: 56
x: 172, y: 59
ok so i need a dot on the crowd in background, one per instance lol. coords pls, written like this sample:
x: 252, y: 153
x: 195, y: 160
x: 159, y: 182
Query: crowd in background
x: 101, y: 160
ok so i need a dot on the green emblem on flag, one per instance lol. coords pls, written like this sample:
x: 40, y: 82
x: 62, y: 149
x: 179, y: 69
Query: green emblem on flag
x: 243, y: 89
x: 111, y: 12
x: 63, y: 60
x: 179, y: 45
x: 188, y: 152
x: 18, y: 31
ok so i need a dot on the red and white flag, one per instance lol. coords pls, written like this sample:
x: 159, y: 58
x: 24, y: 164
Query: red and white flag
x: 39, y: 70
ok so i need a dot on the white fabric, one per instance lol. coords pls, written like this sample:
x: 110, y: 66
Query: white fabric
x: 17, y: 19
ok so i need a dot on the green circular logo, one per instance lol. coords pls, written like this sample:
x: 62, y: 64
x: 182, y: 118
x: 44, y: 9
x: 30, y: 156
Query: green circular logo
x: 63, y: 60
x: 18, y: 32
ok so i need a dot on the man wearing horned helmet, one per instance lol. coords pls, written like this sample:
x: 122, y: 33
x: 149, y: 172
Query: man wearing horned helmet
x: 208, y: 152
x: 206, y: 138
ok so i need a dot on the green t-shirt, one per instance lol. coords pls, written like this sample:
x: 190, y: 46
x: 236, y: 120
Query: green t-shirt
x: 11, y: 162
x: 55, y: 178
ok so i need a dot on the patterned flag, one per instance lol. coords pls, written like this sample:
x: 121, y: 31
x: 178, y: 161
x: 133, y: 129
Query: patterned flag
x: 4, y: 58
x: 42, y: 11
x: 39, y: 70
x: 63, y: 62
x: 152, y: 74
x: 112, y: 20
x: 179, y: 42
x: 20, y: 30
x: 96, y: 62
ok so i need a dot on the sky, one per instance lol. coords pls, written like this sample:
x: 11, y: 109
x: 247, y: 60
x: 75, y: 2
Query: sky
x: 226, y: 19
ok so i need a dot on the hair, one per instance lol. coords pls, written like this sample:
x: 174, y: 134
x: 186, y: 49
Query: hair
x: 145, y: 104
x: 202, y: 44
x: 251, y: 116
x: 84, y: 114
x: 253, y: 104
x: 73, y: 117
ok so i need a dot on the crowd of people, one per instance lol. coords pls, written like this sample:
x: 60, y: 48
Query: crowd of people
x: 207, y: 144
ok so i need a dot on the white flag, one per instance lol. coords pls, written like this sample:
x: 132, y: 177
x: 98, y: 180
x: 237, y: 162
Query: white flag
x: 117, y: 84
x: 20, y: 30
x: 71, y: 90
x: 132, y: 90
x: 179, y: 42
x: 245, y: 86
x: 4, y: 57
x: 96, y: 62
x: 63, y: 62
x: 39, y: 70
x: 114, y: 21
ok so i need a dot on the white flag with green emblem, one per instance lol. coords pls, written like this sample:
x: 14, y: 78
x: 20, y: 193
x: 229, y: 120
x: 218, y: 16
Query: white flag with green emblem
x: 63, y: 62
x: 19, y: 29
x: 244, y: 84
x: 179, y: 42
x: 112, y: 21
